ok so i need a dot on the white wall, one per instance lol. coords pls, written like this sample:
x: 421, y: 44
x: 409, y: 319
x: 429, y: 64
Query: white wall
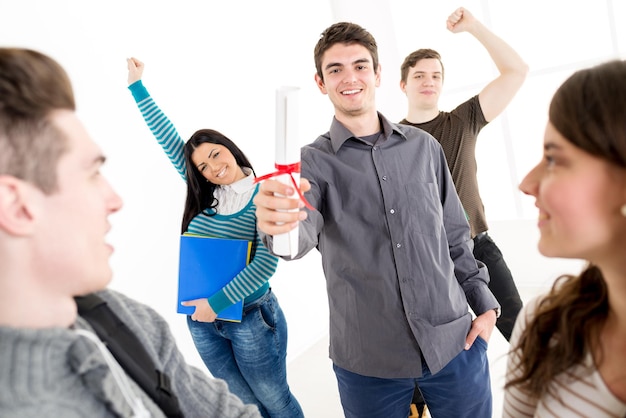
x: 218, y: 64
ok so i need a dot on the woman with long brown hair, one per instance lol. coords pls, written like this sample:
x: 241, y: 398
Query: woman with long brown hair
x: 568, y: 355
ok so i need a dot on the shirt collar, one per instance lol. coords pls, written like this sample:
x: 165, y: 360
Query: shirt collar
x: 243, y: 185
x: 339, y: 134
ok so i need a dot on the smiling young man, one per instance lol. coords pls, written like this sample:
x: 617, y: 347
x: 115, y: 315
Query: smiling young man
x: 395, y: 246
x: 54, y: 307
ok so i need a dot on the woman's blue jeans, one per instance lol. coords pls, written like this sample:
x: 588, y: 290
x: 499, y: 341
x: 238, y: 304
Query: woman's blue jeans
x: 251, y: 356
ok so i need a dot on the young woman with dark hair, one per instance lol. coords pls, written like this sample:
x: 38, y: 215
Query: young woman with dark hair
x: 250, y: 355
x: 569, y: 345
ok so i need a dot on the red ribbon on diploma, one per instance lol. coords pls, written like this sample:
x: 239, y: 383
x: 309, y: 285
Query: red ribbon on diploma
x: 287, y: 169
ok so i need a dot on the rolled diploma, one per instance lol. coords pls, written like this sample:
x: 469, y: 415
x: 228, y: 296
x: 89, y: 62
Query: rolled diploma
x: 287, y: 153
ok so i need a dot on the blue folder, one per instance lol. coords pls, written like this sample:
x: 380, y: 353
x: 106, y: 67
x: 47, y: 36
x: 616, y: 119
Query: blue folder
x: 206, y: 265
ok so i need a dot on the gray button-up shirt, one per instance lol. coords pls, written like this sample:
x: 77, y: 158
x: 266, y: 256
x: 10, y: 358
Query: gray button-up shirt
x: 396, y: 251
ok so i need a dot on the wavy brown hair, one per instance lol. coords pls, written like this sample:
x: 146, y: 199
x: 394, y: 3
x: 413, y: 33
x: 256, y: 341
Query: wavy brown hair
x: 589, y: 110
x: 565, y: 328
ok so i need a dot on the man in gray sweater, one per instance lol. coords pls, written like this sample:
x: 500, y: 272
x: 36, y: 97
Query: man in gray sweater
x: 60, y: 358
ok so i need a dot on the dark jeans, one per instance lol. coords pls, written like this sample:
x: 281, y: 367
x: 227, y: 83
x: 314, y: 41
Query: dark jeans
x: 501, y: 282
x: 462, y: 389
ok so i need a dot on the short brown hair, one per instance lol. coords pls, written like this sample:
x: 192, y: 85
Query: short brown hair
x: 345, y: 33
x: 32, y: 86
x: 416, y: 56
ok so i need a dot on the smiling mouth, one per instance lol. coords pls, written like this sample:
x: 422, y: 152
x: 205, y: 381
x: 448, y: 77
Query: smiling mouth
x: 347, y: 92
x: 542, y: 219
x: 221, y: 173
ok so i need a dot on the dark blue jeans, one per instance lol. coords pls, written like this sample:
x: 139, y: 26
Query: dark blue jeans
x: 501, y: 282
x: 462, y: 389
x: 251, y: 356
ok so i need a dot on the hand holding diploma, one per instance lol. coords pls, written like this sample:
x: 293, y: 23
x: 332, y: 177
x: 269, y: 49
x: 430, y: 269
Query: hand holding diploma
x: 275, y: 213
x: 285, y: 189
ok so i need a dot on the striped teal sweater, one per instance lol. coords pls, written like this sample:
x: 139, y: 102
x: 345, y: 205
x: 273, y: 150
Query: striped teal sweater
x: 252, y: 281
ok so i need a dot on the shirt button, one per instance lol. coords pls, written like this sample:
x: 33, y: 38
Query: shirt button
x: 384, y: 178
x: 398, y: 245
x: 392, y: 211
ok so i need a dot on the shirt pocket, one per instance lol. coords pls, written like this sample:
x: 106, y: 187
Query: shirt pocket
x: 425, y: 211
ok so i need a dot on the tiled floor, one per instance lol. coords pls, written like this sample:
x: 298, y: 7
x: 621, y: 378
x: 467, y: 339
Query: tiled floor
x: 313, y: 382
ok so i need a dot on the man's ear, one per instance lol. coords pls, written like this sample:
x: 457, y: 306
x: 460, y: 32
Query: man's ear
x: 16, y: 200
x: 320, y: 84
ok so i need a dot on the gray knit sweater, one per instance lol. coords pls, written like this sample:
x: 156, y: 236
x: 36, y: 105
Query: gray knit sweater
x: 58, y: 373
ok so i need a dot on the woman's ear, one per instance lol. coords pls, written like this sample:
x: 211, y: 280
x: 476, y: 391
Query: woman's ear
x: 16, y: 200
x: 623, y: 207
